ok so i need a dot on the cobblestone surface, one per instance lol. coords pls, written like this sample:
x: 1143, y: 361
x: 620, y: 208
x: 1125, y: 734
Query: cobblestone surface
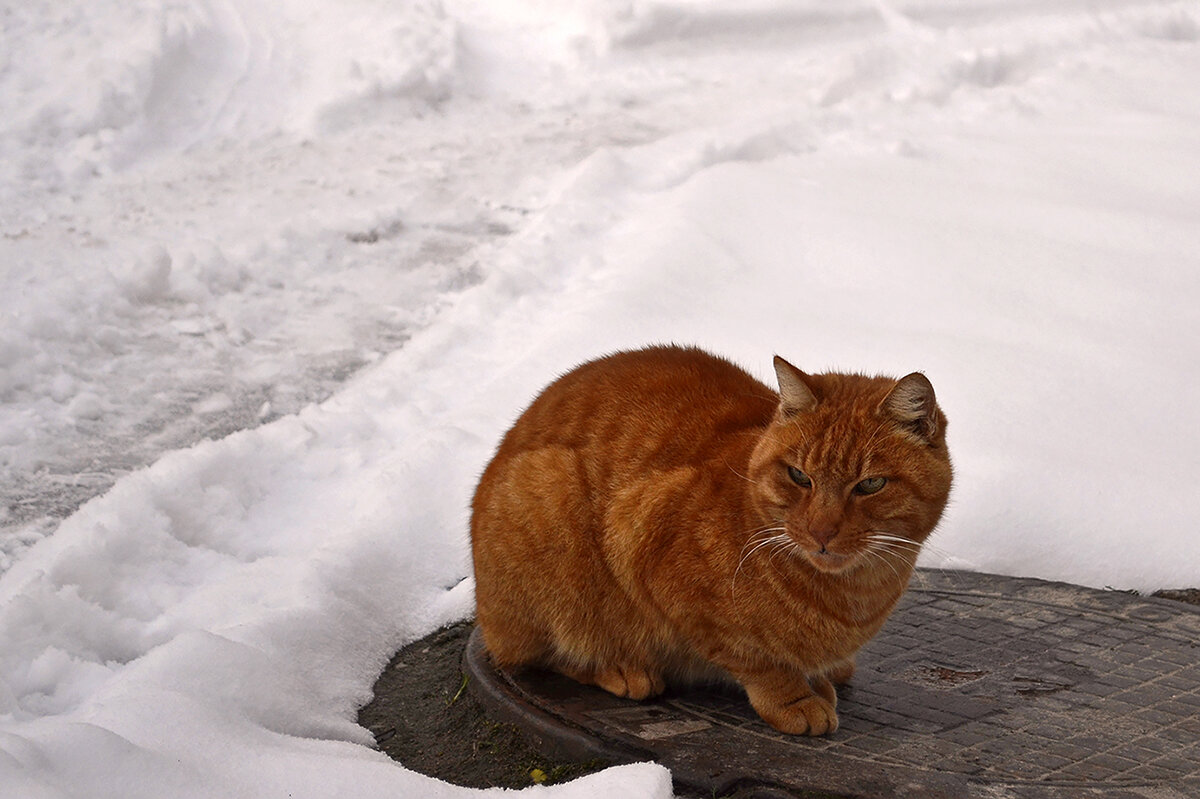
x: 978, y: 685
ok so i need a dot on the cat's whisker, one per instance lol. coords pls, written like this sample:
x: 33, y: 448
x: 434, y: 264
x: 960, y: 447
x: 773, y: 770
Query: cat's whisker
x: 907, y: 547
x: 871, y: 553
x: 921, y: 581
x: 907, y: 557
x: 934, y: 549
x: 904, y: 549
x: 754, y: 535
x: 736, y: 472
x: 789, y: 548
x: 895, y: 545
x: 891, y: 555
x: 759, y: 544
x: 926, y: 545
x: 783, y: 546
x: 782, y: 538
x: 910, y: 544
x: 883, y: 535
x: 901, y: 556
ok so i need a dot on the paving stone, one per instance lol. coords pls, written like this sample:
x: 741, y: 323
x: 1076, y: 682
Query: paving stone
x: 1162, y: 742
x: 1179, y: 688
x: 978, y: 685
x: 1182, y: 680
x: 1152, y: 774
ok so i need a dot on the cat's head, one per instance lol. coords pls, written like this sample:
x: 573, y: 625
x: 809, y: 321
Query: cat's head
x: 853, y: 470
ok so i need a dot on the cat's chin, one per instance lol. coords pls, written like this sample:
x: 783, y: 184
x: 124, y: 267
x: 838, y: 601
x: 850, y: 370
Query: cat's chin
x: 830, y: 562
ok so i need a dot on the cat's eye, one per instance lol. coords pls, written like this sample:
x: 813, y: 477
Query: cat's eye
x: 870, y: 485
x: 799, y: 478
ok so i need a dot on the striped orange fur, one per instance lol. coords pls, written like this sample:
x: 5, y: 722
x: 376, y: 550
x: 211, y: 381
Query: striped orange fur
x: 659, y: 516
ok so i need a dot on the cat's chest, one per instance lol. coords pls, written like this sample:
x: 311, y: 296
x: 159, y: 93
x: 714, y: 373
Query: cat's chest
x: 835, y: 626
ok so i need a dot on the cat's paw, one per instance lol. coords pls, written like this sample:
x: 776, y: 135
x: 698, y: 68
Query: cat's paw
x: 795, y: 706
x: 805, y: 715
x: 630, y: 683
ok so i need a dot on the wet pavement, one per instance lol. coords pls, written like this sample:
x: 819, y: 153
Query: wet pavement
x: 977, y: 686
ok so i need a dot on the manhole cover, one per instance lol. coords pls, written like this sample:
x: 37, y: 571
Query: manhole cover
x: 978, y: 685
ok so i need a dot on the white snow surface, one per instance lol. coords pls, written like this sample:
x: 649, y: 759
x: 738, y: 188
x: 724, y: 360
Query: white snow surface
x: 276, y: 277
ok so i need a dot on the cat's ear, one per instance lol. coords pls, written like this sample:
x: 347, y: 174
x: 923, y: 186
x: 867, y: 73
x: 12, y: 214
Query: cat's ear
x: 794, y: 394
x: 912, y: 403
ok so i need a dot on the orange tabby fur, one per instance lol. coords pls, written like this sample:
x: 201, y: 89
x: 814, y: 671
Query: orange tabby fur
x: 639, y: 525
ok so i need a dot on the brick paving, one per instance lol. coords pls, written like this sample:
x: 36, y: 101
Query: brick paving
x: 978, y: 685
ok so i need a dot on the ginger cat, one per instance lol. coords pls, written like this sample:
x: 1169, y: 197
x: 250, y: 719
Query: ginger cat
x: 661, y: 516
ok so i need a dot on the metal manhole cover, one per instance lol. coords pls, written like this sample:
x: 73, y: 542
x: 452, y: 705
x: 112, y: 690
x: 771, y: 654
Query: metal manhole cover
x: 978, y: 685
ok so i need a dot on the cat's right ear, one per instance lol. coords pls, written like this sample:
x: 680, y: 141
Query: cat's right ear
x: 912, y: 403
x: 794, y: 394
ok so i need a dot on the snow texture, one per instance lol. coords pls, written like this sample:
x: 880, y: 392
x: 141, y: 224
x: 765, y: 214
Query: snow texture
x: 276, y: 277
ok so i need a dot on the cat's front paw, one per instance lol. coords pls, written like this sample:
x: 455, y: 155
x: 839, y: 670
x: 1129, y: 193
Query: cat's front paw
x: 630, y: 683
x: 627, y: 682
x: 800, y: 712
x: 808, y: 715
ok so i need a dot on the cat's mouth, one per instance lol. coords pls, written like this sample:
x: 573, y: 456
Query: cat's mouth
x: 829, y: 562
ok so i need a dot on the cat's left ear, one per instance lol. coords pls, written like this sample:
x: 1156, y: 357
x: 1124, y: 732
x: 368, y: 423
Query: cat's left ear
x: 912, y: 403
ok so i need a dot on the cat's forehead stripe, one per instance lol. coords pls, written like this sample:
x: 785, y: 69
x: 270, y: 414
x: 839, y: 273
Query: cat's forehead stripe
x: 843, y: 445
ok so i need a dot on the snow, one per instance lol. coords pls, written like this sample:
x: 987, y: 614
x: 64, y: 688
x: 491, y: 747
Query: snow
x: 277, y: 276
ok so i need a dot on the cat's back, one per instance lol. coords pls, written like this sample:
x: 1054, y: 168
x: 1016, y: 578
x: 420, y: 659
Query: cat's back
x: 668, y: 400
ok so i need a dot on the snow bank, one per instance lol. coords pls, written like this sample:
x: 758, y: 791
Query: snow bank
x: 233, y: 604
x: 99, y: 87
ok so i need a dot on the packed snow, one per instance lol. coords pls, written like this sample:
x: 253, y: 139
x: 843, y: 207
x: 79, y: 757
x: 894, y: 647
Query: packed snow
x: 277, y: 275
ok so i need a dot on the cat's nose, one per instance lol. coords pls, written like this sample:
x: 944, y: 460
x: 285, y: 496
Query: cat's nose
x: 823, y: 535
